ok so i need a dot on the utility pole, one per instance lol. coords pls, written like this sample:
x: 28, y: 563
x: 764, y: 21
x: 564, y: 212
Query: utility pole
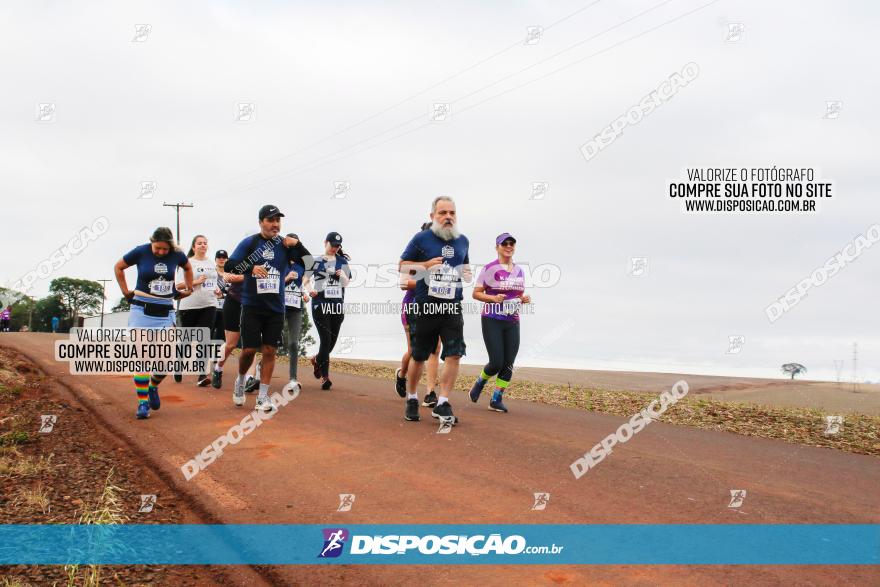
x: 855, y: 387
x: 838, y: 367
x: 103, y: 297
x: 178, y: 206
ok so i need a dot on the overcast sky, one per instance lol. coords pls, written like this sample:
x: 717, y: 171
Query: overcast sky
x: 338, y: 91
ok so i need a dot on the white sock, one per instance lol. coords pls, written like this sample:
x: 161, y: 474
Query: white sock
x: 442, y: 400
x: 218, y: 367
x: 264, y: 390
x: 410, y: 396
x: 239, y: 380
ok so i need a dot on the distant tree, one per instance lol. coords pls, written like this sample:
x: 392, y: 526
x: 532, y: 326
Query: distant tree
x: 123, y: 305
x: 305, y: 339
x: 44, y: 309
x: 77, y: 296
x: 793, y: 369
x: 20, y: 307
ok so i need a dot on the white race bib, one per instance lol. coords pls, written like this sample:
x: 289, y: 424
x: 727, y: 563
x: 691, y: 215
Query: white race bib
x: 209, y: 285
x: 442, y: 282
x: 511, y: 307
x: 161, y: 287
x: 293, y: 297
x: 333, y: 291
x: 269, y: 284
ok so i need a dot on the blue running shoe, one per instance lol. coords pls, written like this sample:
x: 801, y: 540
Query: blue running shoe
x: 143, y: 411
x: 496, y: 405
x: 477, y: 389
x: 153, y: 394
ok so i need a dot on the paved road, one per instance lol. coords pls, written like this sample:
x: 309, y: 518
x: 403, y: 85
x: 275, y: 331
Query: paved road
x: 353, y: 439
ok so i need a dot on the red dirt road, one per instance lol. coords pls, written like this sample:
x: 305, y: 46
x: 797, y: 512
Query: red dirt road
x: 353, y: 439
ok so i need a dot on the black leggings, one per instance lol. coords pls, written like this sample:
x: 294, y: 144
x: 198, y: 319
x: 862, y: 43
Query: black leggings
x: 502, y: 344
x: 328, y: 325
x: 198, y: 318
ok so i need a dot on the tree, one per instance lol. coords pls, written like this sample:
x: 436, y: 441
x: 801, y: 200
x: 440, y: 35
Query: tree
x: 77, y: 296
x: 20, y: 307
x: 44, y: 309
x: 123, y: 305
x: 793, y: 369
x: 305, y: 339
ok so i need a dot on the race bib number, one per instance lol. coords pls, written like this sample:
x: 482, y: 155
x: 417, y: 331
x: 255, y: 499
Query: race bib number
x: 293, y: 298
x: 442, y: 283
x: 209, y: 284
x: 511, y: 307
x: 333, y: 291
x: 269, y: 284
x: 161, y: 287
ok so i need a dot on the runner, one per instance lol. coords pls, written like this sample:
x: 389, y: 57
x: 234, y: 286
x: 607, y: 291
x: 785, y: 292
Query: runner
x: 231, y: 320
x: 330, y: 276
x: 440, y: 257
x: 198, y: 310
x: 293, y: 301
x: 409, y: 285
x: 263, y: 259
x: 5, y: 319
x: 500, y: 285
x: 151, y: 305
x: 217, y: 331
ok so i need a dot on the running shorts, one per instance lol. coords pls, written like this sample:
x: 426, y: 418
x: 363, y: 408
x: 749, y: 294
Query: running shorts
x: 448, y: 327
x: 231, y: 315
x: 259, y: 327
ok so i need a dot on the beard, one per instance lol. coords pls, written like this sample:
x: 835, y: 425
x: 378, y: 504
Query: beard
x: 446, y: 233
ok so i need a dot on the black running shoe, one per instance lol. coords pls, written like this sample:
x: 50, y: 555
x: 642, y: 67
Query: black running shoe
x: 400, y: 384
x: 444, y: 410
x: 178, y: 378
x: 204, y: 381
x: 316, y: 371
x: 430, y: 400
x: 326, y: 384
x: 412, y: 410
x: 217, y: 379
x: 252, y: 385
x: 496, y: 405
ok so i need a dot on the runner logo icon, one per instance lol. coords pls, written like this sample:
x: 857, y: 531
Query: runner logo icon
x: 334, y: 541
x: 160, y: 268
x: 448, y: 252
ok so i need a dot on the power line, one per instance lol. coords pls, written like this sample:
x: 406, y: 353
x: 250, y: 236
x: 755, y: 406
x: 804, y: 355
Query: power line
x: 320, y: 161
x: 435, y: 85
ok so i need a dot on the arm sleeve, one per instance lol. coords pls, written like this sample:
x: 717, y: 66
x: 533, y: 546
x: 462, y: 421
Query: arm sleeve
x: 234, y: 263
x: 133, y: 256
x: 481, y: 277
x: 412, y: 252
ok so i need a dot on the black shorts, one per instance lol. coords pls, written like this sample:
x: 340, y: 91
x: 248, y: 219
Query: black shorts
x: 448, y: 327
x: 231, y: 314
x: 260, y: 327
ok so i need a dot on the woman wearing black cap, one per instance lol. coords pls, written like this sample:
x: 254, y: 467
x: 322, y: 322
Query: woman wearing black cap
x: 330, y: 277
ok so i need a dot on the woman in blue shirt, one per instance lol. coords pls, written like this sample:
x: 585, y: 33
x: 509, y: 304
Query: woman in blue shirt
x: 330, y: 275
x: 152, y: 299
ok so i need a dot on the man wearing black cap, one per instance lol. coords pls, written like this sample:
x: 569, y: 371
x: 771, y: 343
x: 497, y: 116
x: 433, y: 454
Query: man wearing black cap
x: 264, y: 260
x: 220, y: 258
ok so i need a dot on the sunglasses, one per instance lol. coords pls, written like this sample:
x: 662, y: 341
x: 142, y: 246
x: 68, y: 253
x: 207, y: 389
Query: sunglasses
x: 508, y: 243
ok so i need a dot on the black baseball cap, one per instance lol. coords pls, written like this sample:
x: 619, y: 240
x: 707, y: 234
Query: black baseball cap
x: 221, y: 254
x: 334, y: 238
x: 268, y: 211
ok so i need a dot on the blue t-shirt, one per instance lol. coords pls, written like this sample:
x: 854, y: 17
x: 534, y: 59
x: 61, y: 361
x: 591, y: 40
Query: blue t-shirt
x: 324, y: 281
x: 442, y: 282
x: 268, y: 292
x: 155, y: 274
x: 293, y: 288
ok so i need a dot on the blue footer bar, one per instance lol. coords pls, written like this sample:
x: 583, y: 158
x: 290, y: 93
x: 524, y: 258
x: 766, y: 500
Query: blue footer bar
x: 277, y: 544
